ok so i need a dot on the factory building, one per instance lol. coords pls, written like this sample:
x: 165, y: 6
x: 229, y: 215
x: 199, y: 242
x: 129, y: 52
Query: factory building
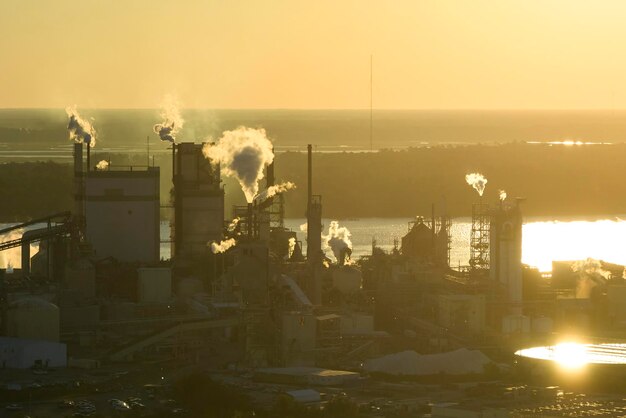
x: 505, y: 270
x: 122, y: 213
x: 462, y: 313
x: 198, y: 202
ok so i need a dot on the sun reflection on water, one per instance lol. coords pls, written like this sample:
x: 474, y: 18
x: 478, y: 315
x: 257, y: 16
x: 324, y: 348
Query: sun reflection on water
x: 544, y: 242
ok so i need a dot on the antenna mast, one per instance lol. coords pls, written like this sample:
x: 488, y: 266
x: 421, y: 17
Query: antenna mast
x: 371, y: 100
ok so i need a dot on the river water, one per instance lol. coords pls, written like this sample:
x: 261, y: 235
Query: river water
x: 544, y: 239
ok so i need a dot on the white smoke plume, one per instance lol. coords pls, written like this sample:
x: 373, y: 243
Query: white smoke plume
x: 242, y: 153
x: 233, y: 224
x: 304, y: 227
x: 338, y: 239
x: 590, y: 274
x: 292, y: 247
x: 477, y: 181
x: 223, y: 245
x: 172, y: 120
x: 80, y: 130
x: 12, y: 258
x: 502, y: 194
x: 274, y: 190
x: 102, y: 165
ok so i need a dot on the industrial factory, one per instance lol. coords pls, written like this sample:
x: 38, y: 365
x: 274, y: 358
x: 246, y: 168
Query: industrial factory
x: 240, y: 293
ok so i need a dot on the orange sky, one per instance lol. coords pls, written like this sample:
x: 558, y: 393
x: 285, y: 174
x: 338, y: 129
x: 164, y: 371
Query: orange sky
x: 465, y: 54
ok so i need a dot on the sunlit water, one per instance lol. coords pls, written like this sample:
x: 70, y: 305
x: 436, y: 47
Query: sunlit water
x: 543, y: 240
x: 576, y: 355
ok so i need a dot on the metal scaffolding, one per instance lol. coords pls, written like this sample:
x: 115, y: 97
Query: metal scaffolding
x: 479, y: 240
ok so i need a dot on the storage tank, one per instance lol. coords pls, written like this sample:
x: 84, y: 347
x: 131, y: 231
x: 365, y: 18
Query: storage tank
x: 33, y: 318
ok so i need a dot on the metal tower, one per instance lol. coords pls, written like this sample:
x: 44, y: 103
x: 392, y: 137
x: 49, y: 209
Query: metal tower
x: 479, y: 239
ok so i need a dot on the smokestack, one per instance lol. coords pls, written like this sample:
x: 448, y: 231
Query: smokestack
x: 270, y: 173
x: 313, y: 217
x: 310, y: 175
x: 249, y: 221
x: 78, y: 183
x: 88, y: 158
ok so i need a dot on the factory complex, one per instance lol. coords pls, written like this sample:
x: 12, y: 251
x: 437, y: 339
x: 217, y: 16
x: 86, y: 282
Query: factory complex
x: 241, y: 300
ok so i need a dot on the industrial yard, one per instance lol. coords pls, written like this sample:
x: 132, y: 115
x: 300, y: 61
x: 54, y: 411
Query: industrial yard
x: 96, y: 322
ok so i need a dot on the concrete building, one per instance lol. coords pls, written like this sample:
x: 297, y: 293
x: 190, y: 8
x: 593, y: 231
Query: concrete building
x: 19, y: 353
x: 505, y: 268
x: 462, y: 312
x: 298, y: 339
x: 198, y: 202
x: 122, y: 213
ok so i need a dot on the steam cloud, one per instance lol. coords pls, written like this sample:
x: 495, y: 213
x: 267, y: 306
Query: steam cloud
x: 80, y: 130
x: 502, y: 195
x: 222, y: 246
x: 172, y: 120
x: 338, y: 239
x: 304, y: 227
x: 590, y: 274
x: 233, y: 224
x: 12, y: 258
x: 292, y: 247
x: 477, y: 181
x: 242, y: 153
x: 274, y: 190
x: 102, y: 165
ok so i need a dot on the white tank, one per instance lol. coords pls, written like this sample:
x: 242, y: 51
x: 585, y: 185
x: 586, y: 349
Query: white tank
x: 33, y: 318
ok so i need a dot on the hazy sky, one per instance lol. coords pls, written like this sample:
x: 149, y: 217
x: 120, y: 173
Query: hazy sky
x: 314, y: 54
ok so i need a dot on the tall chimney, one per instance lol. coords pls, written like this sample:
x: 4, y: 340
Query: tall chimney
x: 313, y: 218
x: 310, y: 175
x: 314, y: 235
x: 88, y: 157
x: 249, y: 221
x: 78, y: 184
x: 270, y: 173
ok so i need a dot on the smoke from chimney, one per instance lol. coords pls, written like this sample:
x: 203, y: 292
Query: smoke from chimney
x: 292, y: 247
x: 477, y: 181
x: 502, y: 194
x: 80, y: 130
x: 590, y: 274
x: 233, y: 225
x: 242, y: 153
x: 12, y: 258
x: 274, y: 190
x: 338, y: 239
x: 222, y: 246
x: 102, y: 165
x: 172, y: 120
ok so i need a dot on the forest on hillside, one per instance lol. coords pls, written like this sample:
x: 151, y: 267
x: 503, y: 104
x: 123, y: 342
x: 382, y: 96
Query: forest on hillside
x: 555, y: 180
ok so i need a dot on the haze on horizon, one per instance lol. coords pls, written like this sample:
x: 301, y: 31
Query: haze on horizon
x: 444, y: 54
